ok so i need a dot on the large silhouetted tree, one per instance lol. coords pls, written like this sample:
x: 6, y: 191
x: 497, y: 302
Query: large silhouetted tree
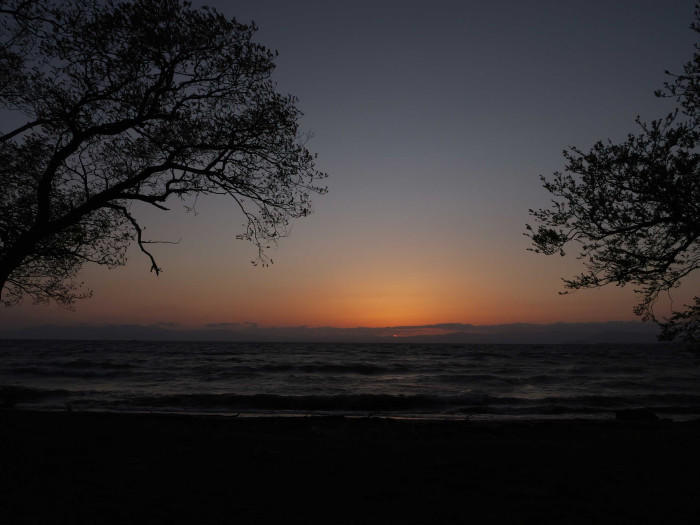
x: 133, y: 101
x: 633, y: 207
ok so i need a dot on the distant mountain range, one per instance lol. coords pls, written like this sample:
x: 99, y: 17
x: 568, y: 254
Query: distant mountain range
x: 452, y: 333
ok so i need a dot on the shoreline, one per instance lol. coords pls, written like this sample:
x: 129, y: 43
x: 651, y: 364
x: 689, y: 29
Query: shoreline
x: 639, y: 414
x: 85, y: 467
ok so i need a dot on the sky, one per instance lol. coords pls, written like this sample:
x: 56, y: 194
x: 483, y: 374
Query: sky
x: 434, y: 121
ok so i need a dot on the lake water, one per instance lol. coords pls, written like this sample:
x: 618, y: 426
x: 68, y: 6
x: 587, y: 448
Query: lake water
x: 394, y: 380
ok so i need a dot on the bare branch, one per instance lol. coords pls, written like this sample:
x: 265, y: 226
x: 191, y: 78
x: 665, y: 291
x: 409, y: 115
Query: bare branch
x: 139, y: 236
x: 135, y: 101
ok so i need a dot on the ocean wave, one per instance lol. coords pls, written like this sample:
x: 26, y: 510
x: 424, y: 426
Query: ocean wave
x: 356, y: 379
x: 11, y: 395
x: 356, y: 402
x: 86, y: 363
x: 310, y: 368
x: 78, y: 372
x: 469, y: 403
x: 467, y: 379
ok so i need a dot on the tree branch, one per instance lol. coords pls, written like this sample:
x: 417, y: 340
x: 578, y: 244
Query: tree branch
x: 139, y: 236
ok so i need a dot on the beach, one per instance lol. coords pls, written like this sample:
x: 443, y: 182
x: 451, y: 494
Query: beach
x: 71, y: 467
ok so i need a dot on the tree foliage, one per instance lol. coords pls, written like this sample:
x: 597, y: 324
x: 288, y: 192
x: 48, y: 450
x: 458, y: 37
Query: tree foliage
x: 633, y: 208
x: 127, y: 101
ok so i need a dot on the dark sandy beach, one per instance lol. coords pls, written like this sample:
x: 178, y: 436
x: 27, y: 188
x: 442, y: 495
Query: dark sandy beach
x: 116, y: 468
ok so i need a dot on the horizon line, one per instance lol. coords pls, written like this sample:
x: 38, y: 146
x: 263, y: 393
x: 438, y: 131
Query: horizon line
x: 456, y: 333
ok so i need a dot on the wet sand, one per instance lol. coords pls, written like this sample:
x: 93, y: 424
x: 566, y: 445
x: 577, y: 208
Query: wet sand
x: 77, y: 468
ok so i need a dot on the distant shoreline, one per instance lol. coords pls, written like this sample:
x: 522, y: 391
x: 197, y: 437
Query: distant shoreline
x: 611, y: 332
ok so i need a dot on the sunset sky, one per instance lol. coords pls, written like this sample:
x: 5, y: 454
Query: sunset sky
x: 434, y: 121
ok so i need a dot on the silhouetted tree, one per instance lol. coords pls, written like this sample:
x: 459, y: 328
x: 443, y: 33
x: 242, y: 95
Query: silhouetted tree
x: 633, y: 208
x: 133, y: 101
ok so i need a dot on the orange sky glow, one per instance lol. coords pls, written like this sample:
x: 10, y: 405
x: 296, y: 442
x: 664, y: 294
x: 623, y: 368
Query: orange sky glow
x: 434, y: 126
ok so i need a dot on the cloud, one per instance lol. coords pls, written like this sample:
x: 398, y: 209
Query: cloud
x: 233, y: 326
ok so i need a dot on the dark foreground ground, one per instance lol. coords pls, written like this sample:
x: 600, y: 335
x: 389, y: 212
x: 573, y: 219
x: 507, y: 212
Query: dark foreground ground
x: 104, y: 468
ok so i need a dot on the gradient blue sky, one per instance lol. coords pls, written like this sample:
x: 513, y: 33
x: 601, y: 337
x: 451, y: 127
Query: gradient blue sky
x: 434, y: 121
